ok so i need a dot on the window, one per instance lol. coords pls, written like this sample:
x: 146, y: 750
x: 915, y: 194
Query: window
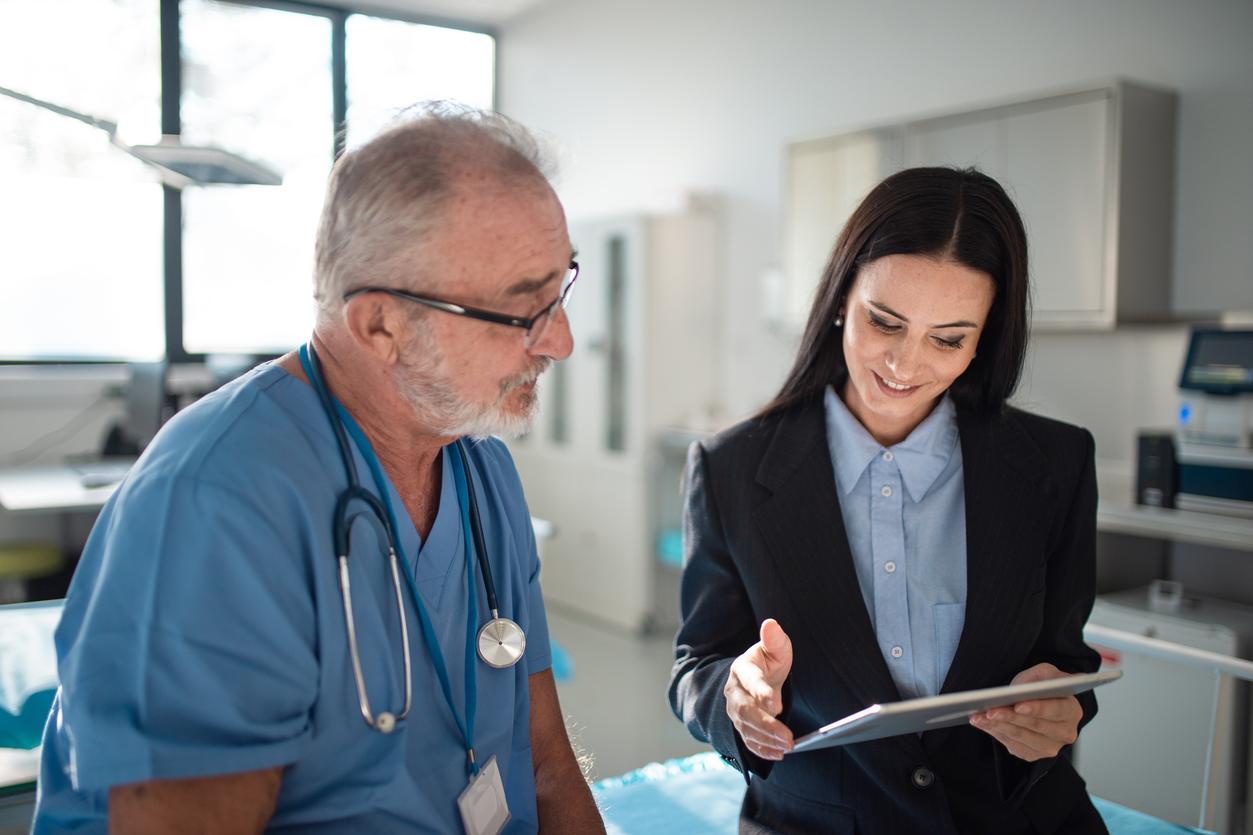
x: 80, y: 220
x: 84, y: 228
x: 392, y: 64
x: 248, y: 250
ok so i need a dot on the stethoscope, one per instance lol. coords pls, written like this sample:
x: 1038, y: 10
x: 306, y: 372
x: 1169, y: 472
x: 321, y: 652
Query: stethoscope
x: 501, y: 641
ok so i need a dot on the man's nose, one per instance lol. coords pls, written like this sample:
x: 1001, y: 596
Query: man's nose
x: 557, y: 342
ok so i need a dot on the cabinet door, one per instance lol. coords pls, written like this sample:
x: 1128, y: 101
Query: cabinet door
x: 1057, y: 173
x: 602, y: 375
x: 599, y: 560
x: 977, y: 140
x: 826, y: 181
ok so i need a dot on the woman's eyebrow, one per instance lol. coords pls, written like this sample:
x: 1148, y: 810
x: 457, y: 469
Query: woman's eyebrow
x: 961, y: 323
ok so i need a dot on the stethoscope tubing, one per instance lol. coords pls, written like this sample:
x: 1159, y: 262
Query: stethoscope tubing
x: 500, y: 642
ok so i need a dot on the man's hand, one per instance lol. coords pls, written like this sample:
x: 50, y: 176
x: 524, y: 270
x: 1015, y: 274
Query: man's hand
x: 754, y: 692
x: 1037, y: 729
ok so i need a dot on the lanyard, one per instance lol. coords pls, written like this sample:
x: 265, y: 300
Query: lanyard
x: 466, y: 727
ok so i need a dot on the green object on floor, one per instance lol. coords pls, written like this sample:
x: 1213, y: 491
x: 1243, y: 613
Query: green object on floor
x: 27, y: 560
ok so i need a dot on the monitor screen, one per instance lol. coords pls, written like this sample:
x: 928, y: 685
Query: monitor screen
x: 1219, y: 362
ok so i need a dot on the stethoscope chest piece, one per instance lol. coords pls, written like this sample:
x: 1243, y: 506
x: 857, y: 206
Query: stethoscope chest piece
x: 501, y: 643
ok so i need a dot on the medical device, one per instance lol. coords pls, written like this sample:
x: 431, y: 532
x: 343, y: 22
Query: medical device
x: 1215, y: 433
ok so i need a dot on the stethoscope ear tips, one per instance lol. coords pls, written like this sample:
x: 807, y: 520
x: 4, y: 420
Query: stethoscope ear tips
x: 385, y: 723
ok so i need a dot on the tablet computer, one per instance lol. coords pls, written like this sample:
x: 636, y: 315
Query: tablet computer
x: 926, y: 714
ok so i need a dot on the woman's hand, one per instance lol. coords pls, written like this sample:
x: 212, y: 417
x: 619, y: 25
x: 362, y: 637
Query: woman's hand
x: 1037, y: 729
x: 754, y: 692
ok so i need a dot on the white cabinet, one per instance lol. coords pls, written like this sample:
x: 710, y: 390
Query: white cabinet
x: 644, y: 319
x: 967, y: 140
x: 827, y: 179
x: 1057, y: 168
x: 1092, y: 172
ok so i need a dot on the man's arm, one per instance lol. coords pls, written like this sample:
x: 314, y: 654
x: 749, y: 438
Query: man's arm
x: 235, y: 804
x: 562, y: 798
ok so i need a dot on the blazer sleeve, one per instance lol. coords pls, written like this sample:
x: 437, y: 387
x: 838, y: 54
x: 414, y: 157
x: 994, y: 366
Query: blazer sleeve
x: 717, y: 624
x: 1070, y: 592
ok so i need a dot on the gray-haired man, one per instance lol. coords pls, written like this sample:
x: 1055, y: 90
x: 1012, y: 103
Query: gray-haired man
x: 239, y: 653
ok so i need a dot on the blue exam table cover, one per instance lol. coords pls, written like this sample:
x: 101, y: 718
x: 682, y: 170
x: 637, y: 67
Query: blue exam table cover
x: 28, y: 671
x: 700, y: 795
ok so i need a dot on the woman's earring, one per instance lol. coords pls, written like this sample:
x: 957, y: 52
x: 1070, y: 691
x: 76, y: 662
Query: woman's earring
x: 839, y: 320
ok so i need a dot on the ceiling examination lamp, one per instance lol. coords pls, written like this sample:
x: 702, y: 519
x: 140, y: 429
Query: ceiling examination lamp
x: 179, y: 165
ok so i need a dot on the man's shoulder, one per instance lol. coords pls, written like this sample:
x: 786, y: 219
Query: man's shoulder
x: 234, y: 436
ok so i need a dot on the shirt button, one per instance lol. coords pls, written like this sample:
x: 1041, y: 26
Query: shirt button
x: 889, y: 567
x: 897, y: 652
x: 888, y: 456
x: 922, y: 778
x: 886, y: 491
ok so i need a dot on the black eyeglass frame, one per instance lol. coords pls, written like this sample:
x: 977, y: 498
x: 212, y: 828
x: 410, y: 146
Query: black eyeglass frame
x: 524, y: 322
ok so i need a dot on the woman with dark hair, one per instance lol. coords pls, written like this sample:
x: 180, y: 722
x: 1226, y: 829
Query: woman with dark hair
x: 888, y: 528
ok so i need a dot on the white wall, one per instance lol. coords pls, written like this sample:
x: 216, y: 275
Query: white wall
x: 651, y: 99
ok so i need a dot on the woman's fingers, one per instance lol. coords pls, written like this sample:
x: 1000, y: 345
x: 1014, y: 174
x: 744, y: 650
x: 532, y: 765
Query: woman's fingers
x: 748, y: 715
x: 1031, y: 742
x: 754, y: 694
x: 1062, y: 709
x: 1064, y: 731
x: 752, y: 679
x: 764, y: 747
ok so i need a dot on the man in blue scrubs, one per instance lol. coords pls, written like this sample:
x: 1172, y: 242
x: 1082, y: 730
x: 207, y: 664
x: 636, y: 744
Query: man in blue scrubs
x: 206, y: 679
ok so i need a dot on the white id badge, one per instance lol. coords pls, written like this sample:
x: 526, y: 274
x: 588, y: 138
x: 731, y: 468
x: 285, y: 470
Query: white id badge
x: 484, y: 810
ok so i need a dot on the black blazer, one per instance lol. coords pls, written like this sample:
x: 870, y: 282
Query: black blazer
x: 764, y: 537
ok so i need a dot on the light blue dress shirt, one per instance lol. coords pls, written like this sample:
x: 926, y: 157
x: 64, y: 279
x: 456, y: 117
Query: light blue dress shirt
x: 204, y: 630
x: 904, y: 510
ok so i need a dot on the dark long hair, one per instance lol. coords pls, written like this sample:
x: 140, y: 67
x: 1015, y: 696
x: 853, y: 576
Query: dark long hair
x: 960, y: 215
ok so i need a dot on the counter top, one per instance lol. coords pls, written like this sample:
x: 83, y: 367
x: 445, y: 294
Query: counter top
x: 1117, y: 512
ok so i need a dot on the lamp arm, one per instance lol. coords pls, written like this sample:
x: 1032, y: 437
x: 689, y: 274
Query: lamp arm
x: 103, y: 124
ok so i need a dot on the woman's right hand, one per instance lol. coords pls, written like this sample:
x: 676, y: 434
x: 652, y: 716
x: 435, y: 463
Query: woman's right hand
x: 754, y: 692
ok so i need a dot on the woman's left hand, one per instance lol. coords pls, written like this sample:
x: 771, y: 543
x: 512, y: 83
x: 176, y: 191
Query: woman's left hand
x: 1037, y: 729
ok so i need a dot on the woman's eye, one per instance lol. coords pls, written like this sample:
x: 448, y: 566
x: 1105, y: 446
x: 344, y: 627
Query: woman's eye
x: 879, y: 324
x: 948, y: 344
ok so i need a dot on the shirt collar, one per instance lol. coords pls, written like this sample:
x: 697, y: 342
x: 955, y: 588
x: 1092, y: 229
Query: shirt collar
x: 921, y: 457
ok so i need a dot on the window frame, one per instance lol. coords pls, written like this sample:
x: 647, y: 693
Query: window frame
x: 171, y: 71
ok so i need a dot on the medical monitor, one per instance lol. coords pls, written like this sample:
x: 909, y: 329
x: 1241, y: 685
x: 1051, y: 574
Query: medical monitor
x: 1219, y: 362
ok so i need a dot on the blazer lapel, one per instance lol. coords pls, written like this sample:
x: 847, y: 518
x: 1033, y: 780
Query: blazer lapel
x: 802, y: 526
x: 1001, y: 469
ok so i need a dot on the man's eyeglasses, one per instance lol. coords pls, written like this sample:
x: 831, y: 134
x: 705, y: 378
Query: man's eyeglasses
x: 535, y: 326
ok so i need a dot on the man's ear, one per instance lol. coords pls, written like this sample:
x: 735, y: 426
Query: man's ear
x: 376, y: 325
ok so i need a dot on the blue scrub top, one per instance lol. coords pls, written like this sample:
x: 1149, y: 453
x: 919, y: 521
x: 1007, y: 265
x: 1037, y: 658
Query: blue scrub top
x: 204, y: 630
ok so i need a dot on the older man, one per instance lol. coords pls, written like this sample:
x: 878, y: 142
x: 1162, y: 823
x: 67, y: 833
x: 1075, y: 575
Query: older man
x: 223, y: 668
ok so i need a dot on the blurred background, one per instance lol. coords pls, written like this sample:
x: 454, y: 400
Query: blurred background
x: 709, y: 151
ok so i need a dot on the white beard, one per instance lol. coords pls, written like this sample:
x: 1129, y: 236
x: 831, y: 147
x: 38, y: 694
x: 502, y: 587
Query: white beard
x: 437, y: 405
